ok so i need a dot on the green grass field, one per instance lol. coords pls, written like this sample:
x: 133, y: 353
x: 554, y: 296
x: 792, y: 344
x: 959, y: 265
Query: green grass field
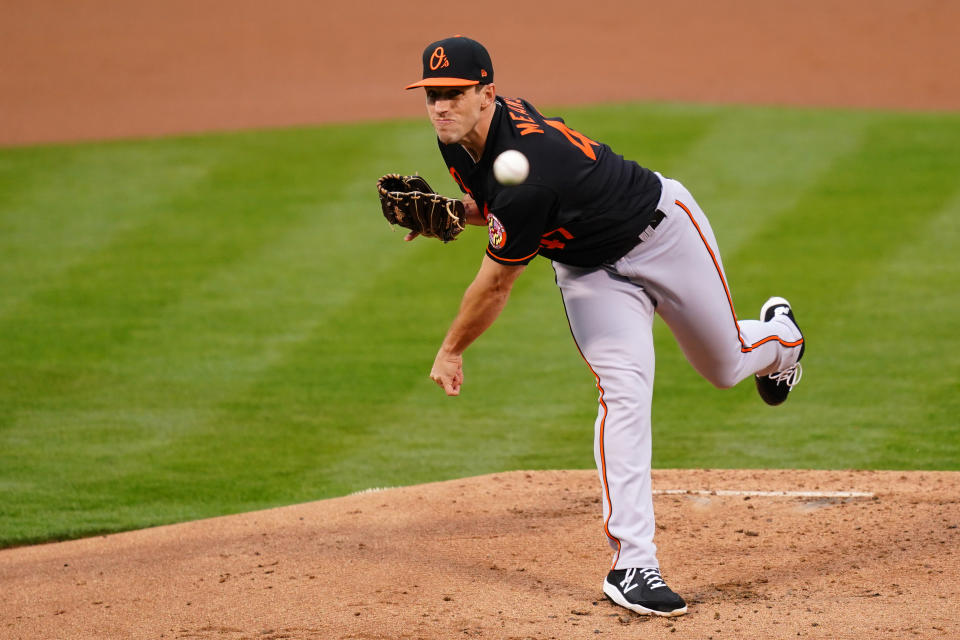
x: 206, y: 325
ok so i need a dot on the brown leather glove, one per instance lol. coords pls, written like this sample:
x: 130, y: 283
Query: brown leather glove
x: 409, y: 201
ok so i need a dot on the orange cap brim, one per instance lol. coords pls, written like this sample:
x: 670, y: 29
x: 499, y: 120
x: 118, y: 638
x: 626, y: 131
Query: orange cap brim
x: 443, y: 82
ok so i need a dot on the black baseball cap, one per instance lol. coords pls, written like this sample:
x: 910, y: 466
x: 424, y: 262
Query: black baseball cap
x: 455, y: 62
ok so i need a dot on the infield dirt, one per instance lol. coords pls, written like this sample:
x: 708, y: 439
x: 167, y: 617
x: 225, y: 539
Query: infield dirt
x: 514, y: 555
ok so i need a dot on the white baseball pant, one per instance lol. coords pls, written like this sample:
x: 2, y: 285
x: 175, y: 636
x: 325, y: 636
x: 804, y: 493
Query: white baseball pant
x: 676, y: 272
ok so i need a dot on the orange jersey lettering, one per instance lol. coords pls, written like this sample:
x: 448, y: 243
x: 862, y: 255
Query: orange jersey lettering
x: 521, y: 119
x: 515, y: 116
x: 528, y: 127
x: 463, y: 185
x: 550, y: 243
x: 576, y: 138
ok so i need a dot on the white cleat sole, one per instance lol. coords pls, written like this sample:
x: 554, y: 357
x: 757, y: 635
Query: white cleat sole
x: 614, y: 594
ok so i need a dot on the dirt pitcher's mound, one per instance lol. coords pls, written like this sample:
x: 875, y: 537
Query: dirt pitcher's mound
x: 518, y: 555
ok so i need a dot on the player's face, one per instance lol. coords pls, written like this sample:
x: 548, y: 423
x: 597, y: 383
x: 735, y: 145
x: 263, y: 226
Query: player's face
x: 454, y: 111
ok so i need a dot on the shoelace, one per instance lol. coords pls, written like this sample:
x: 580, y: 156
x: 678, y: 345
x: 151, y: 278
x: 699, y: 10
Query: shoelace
x: 650, y: 576
x: 789, y: 376
x: 653, y: 579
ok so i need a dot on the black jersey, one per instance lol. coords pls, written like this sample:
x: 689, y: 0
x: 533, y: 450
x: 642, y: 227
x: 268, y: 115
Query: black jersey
x: 581, y: 205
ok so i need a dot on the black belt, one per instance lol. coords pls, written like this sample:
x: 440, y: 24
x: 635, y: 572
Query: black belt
x: 658, y: 217
x: 655, y: 221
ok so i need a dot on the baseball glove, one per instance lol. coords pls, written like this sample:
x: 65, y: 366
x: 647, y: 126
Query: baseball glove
x: 410, y: 202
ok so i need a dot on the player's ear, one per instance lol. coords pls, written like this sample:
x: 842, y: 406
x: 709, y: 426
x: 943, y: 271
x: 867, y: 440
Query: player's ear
x: 488, y: 93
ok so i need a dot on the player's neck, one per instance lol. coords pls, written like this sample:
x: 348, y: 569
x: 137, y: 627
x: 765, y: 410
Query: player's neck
x: 475, y: 141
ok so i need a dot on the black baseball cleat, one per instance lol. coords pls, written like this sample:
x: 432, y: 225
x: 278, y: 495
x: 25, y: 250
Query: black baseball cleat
x: 775, y: 387
x: 643, y: 591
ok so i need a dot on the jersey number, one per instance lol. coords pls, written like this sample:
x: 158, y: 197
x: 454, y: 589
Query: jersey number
x: 576, y: 138
x: 554, y: 243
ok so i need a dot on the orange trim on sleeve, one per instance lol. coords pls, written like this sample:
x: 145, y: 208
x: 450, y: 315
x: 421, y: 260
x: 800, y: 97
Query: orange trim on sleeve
x: 499, y: 259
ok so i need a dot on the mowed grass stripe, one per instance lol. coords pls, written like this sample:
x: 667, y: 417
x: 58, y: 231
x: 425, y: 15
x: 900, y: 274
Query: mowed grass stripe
x: 898, y: 338
x: 186, y: 358
x: 156, y: 380
x: 117, y: 296
x: 61, y: 205
x: 114, y: 297
x: 839, y: 237
x: 178, y: 366
x: 901, y: 175
x: 750, y: 172
x: 191, y: 351
x: 275, y: 437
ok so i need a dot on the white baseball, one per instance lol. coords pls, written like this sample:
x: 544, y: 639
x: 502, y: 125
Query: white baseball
x: 511, y: 167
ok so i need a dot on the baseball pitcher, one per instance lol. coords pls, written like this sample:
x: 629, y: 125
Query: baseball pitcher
x: 625, y: 242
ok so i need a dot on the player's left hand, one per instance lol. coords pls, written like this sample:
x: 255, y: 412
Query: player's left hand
x: 447, y: 372
x: 410, y: 202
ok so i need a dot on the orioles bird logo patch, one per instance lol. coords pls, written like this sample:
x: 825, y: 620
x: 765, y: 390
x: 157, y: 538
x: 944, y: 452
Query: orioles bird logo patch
x: 497, y: 232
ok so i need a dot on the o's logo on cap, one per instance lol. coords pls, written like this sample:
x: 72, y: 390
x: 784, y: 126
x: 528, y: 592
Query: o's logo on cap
x: 438, y: 59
